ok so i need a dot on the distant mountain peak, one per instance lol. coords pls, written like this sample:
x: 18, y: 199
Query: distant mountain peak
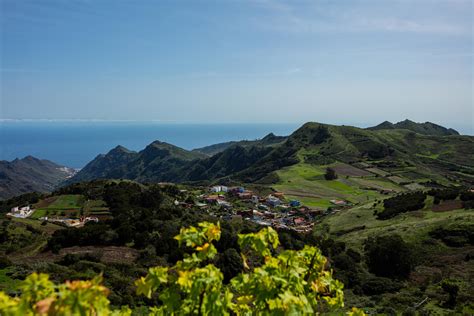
x: 119, y: 149
x: 426, y: 128
x: 30, y: 158
x: 269, y: 136
x: 160, y: 144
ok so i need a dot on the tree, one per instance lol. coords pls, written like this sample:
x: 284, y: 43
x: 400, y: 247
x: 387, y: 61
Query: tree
x: 330, y: 174
x: 452, y: 289
x: 389, y: 256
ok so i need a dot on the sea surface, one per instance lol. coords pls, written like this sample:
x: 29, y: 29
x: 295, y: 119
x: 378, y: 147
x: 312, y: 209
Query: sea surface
x: 75, y: 143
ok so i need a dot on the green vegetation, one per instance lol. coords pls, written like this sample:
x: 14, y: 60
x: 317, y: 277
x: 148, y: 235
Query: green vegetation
x: 427, y: 128
x: 306, y: 182
x: 402, y: 203
x: 145, y: 219
x: 192, y: 286
x: 8, y: 284
x: 69, y: 205
x: 317, y: 144
x: 398, y: 232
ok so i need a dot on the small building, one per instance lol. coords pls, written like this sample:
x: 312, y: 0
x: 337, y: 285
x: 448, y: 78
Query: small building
x: 299, y: 221
x: 21, y: 212
x: 212, y: 198
x: 236, y: 190
x: 268, y: 214
x: 224, y: 204
x: 219, y: 188
x: 295, y: 203
x: 246, y: 195
x: 273, y: 201
x: 338, y: 202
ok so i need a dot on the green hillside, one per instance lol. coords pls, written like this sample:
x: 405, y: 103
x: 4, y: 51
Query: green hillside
x: 426, y: 128
x: 399, y: 153
x: 428, y: 245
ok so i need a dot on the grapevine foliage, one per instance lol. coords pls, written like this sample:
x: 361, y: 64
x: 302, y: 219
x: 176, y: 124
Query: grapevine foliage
x: 275, y: 282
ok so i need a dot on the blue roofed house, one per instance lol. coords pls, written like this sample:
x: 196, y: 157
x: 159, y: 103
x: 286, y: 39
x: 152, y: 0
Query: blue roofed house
x: 295, y: 203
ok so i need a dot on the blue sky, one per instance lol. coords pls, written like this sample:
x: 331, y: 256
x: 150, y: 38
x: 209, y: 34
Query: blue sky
x: 341, y: 62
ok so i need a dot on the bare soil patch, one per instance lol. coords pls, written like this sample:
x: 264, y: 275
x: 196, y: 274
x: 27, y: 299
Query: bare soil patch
x: 45, y: 202
x: 348, y: 170
x: 109, y: 254
x: 446, y: 206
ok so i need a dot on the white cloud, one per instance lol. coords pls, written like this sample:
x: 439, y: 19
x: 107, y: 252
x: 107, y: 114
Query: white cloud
x: 313, y: 17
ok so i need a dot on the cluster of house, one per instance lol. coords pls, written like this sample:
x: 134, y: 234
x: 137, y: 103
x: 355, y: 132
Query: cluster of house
x: 270, y: 210
x: 21, y: 212
x: 26, y: 211
x: 71, y: 222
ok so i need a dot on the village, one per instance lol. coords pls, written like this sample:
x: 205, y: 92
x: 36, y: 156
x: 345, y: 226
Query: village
x: 272, y: 209
x: 265, y: 208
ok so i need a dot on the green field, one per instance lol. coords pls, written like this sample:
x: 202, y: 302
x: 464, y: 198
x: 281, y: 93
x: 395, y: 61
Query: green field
x: 72, y: 205
x: 306, y: 182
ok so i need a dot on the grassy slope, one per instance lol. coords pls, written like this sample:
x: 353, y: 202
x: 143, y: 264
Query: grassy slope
x: 306, y: 182
x: 436, y: 260
x: 413, y: 226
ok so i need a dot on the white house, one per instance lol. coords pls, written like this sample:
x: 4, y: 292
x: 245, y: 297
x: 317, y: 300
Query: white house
x: 23, y: 212
x: 219, y: 188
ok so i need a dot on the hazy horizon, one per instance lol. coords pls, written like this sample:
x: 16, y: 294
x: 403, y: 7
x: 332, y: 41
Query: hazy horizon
x: 462, y: 129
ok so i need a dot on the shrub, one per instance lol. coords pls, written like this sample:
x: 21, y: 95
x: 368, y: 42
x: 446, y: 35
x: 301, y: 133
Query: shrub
x: 4, y: 262
x: 444, y: 194
x: 389, y: 256
x: 402, y: 203
x: 330, y: 174
x: 452, y: 289
x: 379, y: 285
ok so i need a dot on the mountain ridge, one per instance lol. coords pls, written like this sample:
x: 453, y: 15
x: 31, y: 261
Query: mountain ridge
x: 426, y: 128
x: 30, y: 174
x: 253, y: 161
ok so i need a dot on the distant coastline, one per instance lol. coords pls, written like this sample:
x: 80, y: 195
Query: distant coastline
x: 74, y: 143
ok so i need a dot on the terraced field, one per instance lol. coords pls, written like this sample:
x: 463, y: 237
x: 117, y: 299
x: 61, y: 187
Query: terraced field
x: 306, y: 182
x: 69, y: 206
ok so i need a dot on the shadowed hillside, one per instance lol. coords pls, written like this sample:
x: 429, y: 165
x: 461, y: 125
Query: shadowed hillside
x: 30, y: 174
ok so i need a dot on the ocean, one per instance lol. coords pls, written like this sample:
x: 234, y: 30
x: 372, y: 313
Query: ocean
x: 75, y: 143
